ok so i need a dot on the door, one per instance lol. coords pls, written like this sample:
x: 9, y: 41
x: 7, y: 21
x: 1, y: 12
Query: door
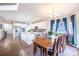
x: 17, y: 31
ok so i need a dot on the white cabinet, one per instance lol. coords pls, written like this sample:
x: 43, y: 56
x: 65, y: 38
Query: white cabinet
x: 27, y: 37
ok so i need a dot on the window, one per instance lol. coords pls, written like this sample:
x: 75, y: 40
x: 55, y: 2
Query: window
x: 70, y: 28
x: 54, y: 27
x: 61, y: 27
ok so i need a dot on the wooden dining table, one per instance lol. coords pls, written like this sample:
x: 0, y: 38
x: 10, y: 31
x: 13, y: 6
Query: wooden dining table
x: 43, y: 44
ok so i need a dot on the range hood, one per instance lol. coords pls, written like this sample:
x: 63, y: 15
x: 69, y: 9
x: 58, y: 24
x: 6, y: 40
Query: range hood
x: 8, y: 6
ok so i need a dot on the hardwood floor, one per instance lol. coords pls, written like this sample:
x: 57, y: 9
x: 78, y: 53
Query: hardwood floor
x: 17, y: 47
x: 12, y: 47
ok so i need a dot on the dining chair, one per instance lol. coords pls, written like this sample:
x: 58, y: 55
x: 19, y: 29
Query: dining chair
x: 58, y: 45
x: 51, y: 50
x: 63, y: 43
x: 37, y: 36
x: 55, y: 48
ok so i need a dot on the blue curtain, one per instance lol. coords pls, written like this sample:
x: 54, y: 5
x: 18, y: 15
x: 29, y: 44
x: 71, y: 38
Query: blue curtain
x: 65, y: 24
x: 51, y: 24
x: 57, y: 23
x: 74, y: 42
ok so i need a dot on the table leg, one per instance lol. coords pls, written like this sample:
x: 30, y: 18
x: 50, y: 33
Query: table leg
x: 45, y: 52
x: 34, y: 49
x: 41, y: 50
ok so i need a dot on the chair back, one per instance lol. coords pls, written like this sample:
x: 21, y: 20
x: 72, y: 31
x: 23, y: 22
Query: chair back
x: 37, y: 36
x: 63, y: 40
x: 53, y: 50
x: 57, y: 45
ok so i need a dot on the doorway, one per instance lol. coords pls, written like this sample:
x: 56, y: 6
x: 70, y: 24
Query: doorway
x: 17, y: 31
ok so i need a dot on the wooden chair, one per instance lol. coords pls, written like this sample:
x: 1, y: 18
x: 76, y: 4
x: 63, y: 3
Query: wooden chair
x: 37, y: 36
x: 63, y: 43
x: 59, y: 44
x: 52, y: 51
x: 56, y: 47
x: 44, y: 35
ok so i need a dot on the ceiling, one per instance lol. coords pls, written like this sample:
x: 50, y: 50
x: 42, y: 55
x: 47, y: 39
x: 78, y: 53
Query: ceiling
x: 31, y: 12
